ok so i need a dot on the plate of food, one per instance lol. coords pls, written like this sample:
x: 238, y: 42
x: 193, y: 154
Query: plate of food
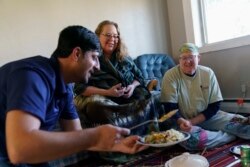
x: 164, y: 138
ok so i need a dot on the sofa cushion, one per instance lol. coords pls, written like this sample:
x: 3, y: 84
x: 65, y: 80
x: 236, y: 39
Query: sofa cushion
x: 154, y: 66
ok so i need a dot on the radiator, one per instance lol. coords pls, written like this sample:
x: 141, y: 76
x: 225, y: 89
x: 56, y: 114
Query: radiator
x: 230, y: 105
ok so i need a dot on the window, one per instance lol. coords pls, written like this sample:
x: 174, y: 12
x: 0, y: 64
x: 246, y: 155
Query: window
x: 225, y: 19
x: 217, y: 24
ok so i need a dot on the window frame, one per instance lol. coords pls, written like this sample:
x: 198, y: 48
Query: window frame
x: 194, y: 30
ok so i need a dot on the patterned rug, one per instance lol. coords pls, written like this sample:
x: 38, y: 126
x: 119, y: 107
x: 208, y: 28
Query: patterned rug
x: 156, y: 157
x: 221, y: 157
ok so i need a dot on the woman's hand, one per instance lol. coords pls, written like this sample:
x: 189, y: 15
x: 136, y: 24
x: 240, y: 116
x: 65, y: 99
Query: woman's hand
x: 129, y: 91
x: 116, y: 90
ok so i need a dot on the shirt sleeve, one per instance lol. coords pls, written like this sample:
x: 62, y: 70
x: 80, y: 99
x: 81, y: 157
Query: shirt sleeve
x: 211, y: 110
x: 138, y: 74
x: 215, y: 89
x: 136, y: 71
x: 169, y: 90
x: 28, y: 91
x: 172, y: 106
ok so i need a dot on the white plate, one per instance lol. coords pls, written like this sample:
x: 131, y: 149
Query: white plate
x: 186, y: 136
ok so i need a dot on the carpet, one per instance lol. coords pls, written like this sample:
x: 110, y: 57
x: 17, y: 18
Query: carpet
x: 156, y: 157
x: 221, y: 157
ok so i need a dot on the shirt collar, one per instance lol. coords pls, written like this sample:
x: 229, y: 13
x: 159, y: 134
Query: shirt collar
x: 61, y: 87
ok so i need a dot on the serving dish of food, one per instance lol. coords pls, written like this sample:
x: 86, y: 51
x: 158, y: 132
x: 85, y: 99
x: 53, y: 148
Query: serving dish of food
x: 164, y: 138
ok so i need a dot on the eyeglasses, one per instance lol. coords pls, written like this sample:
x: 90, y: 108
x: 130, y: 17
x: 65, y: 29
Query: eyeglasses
x: 188, y: 58
x: 109, y: 36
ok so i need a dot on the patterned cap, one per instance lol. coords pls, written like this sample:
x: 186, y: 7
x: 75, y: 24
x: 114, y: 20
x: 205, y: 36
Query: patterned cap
x: 189, y: 47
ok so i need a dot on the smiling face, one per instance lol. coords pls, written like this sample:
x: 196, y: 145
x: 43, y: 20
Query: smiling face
x: 109, y: 39
x: 87, y: 63
x: 189, y: 62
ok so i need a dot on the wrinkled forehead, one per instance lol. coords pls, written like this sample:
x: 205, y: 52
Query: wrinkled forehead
x: 187, y: 54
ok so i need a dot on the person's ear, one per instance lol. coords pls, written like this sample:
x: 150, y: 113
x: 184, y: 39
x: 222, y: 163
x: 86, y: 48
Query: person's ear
x: 76, y: 53
x: 199, y: 58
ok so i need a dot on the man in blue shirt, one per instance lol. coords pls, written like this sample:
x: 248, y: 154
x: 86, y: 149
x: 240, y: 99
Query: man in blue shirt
x: 36, y: 93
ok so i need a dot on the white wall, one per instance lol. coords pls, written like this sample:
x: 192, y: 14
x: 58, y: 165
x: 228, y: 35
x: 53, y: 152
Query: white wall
x: 31, y: 27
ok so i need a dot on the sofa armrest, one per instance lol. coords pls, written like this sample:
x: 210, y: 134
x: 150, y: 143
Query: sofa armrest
x: 152, y: 84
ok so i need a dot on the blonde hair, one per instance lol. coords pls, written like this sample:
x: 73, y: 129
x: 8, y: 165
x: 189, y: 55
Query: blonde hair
x: 121, y: 50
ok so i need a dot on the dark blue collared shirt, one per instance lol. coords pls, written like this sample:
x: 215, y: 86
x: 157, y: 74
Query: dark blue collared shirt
x: 35, y: 86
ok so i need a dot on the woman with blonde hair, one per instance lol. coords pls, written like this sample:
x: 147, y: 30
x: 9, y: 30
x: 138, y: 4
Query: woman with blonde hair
x: 116, y: 90
x: 120, y: 50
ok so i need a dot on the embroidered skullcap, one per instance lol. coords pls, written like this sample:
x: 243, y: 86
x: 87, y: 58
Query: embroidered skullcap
x: 189, y: 47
